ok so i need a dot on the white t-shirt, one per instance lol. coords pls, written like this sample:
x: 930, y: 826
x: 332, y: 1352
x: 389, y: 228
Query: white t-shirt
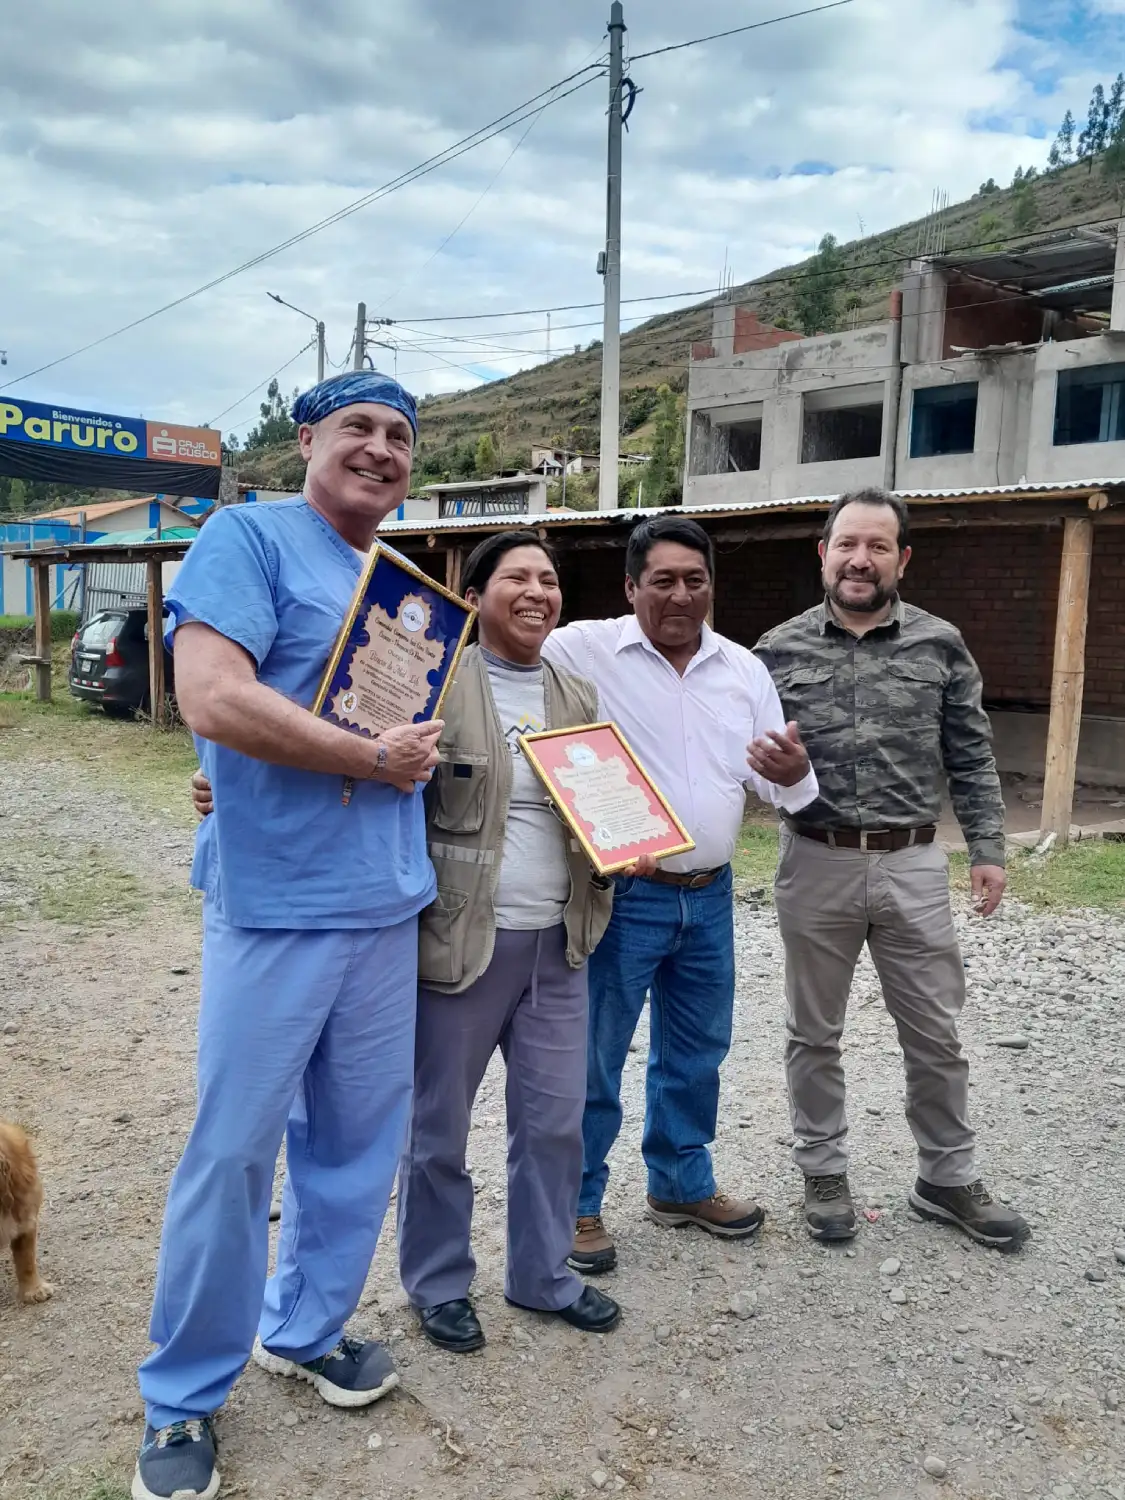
x: 534, y: 881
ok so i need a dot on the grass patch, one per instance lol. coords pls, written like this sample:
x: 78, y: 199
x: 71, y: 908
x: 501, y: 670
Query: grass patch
x: 64, y: 622
x: 75, y: 1484
x: 755, y: 856
x: 127, y: 757
x: 1087, y: 874
x: 79, y: 887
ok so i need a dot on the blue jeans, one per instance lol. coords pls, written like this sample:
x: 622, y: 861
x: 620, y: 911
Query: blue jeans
x: 678, y: 946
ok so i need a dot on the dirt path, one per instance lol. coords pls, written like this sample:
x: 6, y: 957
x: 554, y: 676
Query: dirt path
x: 1009, y: 1371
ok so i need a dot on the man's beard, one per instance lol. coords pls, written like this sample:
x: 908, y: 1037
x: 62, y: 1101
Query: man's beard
x: 880, y: 597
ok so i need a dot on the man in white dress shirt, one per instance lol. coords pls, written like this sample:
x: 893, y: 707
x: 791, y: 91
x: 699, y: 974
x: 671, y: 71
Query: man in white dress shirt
x: 706, y: 722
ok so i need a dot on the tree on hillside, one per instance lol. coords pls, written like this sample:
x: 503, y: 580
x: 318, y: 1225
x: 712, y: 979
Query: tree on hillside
x: 988, y: 231
x: 988, y: 188
x: 485, y: 456
x: 1116, y: 106
x: 662, y: 481
x: 1065, y: 139
x: 1113, y: 163
x: 816, y: 291
x: 1092, y: 141
x: 1026, y: 211
x: 276, y: 425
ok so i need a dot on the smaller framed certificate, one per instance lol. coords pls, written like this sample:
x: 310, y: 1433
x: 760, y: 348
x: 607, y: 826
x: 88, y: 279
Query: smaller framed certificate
x: 397, y: 649
x: 605, y: 795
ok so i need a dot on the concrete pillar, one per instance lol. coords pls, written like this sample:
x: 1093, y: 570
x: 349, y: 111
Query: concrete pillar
x: 1117, y: 312
x: 722, y: 329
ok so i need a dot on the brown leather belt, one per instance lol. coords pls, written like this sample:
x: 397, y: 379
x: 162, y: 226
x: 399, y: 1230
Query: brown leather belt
x: 873, y: 841
x: 692, y: 880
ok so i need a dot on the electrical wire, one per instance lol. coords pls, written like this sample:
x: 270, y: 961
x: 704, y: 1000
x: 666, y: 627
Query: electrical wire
x: 795, y: 15
x: 457, y: 229
x: 254, y: 389
x: 423, y: 169
x: 1012, y: 243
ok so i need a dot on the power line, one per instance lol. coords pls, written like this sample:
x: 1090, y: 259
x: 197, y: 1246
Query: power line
x: 423, y: 169
x: 254, y: 389
x: 536, y: 117
x: 772, y: 279
x: 698, y: 41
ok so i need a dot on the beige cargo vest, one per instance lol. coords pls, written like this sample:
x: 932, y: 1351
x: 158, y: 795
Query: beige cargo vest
x: 466, y: 814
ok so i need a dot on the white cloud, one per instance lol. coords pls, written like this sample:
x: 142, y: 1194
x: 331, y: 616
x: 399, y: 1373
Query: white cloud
x: 165, y: 144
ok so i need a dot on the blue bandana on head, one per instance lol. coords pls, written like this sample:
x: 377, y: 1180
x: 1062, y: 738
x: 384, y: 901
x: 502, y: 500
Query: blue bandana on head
x: 351, y: 389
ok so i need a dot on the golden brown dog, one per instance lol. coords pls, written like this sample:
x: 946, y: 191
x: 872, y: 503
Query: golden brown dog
x: 21, y: 1197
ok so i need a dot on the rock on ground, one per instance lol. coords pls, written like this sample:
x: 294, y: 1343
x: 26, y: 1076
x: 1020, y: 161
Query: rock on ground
x: 829, y: 1389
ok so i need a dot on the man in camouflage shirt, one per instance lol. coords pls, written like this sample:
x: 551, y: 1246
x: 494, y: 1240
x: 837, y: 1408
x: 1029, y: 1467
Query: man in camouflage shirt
x: 889, y: 703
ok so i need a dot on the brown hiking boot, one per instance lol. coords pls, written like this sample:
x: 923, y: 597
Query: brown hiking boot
x: 594, y: 1252
x: 729, y: 1218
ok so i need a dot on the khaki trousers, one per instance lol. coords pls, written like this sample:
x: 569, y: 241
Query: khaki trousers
x: 829, y: 903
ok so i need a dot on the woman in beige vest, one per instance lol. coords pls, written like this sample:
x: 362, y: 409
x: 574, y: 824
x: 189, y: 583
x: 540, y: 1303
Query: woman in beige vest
x: 502, y: 963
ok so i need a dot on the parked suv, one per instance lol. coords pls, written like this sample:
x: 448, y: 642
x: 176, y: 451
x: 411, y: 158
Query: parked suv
x: 109, y: 661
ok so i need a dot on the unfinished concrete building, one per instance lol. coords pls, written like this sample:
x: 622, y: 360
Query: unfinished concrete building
x: 992, y: 369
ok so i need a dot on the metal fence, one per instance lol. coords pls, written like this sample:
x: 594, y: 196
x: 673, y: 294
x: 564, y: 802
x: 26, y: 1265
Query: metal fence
x: 114, y: 586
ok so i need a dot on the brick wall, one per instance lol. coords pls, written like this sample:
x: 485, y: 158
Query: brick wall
x: 1000, y: 588
x: 1105, y: 637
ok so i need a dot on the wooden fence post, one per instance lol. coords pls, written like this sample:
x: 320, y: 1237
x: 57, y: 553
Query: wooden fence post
x: 1068, y: 679
x: 41, y: 593
x: 155, y: 600
x: 453, y: 569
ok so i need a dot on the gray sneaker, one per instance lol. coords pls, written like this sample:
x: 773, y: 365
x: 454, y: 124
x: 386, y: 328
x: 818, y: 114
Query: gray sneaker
x: 354, y: 1373
x: 972, y: 1209
x: 829, y: 1210
x: 178, y: 1460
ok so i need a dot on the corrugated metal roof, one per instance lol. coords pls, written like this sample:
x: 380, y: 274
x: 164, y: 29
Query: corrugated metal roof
x: 561, y: 519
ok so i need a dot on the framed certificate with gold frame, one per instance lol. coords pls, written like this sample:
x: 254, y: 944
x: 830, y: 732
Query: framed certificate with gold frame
x: 397, y: 649
x: 605, y: 796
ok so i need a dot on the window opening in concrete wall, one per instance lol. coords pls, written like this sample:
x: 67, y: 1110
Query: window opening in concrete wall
x: 1090, y: 405
x: 744, y: 446
x: 843, y: 424
x: 943, y: 420
x: 726, y: 440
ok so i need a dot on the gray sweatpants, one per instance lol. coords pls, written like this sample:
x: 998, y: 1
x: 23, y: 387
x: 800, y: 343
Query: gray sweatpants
x: 829, y: 903
x: 532, y: 1005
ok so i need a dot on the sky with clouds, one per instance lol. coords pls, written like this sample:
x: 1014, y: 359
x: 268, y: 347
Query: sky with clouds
x: 148, y: 147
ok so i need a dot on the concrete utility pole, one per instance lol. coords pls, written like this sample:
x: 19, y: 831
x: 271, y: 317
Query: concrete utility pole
x: 360, y: 336
x: 319, y: 331
x: 610, y: 268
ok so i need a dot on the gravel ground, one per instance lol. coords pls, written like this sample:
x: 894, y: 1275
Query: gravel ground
x: 911, y: 1363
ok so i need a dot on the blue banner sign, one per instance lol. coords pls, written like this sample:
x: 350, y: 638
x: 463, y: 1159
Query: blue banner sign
x: 83, y: 431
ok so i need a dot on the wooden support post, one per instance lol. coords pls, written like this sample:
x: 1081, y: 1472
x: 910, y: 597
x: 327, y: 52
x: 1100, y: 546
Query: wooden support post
x: 453, y: 569
x: 41, y: 593
x: 155, y: 599
x: 1068, y: 679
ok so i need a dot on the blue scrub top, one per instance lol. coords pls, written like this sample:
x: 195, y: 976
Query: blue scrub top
x: 281, y: 849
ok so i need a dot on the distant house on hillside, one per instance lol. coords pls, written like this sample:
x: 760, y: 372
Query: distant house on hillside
x: 516, y: 494
x: 552, y: 461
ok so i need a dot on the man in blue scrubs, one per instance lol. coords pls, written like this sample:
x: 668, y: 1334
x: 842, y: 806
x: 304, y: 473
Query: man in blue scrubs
x: 309, y: 948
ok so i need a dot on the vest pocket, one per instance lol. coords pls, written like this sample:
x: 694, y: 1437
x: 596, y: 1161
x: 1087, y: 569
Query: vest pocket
x: 459, y: 804
x: 441, y: 938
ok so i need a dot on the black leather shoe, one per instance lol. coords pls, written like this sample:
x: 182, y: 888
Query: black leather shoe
x: 452, y: 1325
x: 594, y: 1312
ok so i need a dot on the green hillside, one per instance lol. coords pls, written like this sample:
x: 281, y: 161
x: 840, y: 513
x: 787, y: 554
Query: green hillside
x: 558, y: 401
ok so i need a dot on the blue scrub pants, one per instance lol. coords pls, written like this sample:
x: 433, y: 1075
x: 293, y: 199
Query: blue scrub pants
x: 325, y: 1019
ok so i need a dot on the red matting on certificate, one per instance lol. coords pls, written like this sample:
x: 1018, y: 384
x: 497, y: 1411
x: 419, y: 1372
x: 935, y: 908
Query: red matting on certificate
x: 606, y: 796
